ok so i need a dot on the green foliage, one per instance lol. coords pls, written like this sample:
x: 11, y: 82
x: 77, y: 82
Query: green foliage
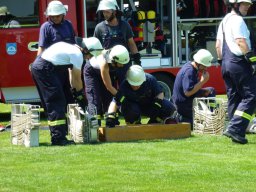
x: 199, y: 163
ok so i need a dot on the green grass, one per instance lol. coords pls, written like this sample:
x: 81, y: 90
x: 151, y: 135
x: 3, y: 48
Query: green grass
x: 199, y: 163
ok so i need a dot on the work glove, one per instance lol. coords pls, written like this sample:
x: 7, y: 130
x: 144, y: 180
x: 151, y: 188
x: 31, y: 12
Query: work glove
x: 156, y: 108
x: 79, y: 98
x: 119, y: 98
x: 251, y: 58
x: 136, y: 58
x: 111, y: 119
x: 220, y: 61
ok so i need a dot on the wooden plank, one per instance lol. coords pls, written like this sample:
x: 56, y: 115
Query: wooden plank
x: 145, y: 132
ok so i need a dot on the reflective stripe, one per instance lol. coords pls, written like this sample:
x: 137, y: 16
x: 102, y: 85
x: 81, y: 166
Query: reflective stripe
x: 252, y: 59
x: 244, y: 115
x: 57, y: 122
x: 97, y: 116
x: 212, y: 104
x: 157, y: 104
x: 122, y: 99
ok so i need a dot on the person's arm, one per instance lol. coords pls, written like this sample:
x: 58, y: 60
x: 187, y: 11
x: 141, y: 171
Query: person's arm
x: 104, y: 71
x: 132, y: 46
x: 40, y: 50
x: 241, y: 42
x: 75, y: 79
x: 218, y: 49
x: 199, y: 85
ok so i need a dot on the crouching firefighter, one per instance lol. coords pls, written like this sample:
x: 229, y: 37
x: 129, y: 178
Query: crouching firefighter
x: 140, y: 94
x: 44, y: 72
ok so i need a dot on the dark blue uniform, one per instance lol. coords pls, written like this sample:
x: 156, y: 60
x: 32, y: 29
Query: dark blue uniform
x: 185, y: 81
x: 60, y: 56
x: 141, y: 101
x: 51, y: 33
x: 96, y: 92
x: 110, y: 36
x: 241, y: 90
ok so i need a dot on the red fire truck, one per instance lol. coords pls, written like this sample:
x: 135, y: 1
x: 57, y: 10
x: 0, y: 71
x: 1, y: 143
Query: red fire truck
x: 170, y: 40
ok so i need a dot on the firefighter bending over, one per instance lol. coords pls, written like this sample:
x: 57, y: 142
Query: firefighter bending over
x: 100, y: 75
x: 44, y: 70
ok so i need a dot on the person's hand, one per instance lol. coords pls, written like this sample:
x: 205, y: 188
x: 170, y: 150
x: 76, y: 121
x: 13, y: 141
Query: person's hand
x: 119, y: 98
x: 136, y: 58
x: 79, y: 98
x: 205, y: 77
x: 250, y: 57
x: 111, y: 120
x: 220, y: 61
x: 156, y: 108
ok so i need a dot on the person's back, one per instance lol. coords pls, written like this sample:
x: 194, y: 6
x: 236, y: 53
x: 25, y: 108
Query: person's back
x: 184, y: 81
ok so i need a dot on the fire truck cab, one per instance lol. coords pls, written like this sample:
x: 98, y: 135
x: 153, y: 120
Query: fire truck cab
x: 165, y: 36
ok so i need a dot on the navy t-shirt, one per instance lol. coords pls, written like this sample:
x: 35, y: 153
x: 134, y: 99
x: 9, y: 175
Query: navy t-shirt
x: 185, y: 81
x: 51, y: 33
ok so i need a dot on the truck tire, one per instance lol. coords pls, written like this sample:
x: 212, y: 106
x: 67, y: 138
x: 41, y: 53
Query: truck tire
x: 167, y: 84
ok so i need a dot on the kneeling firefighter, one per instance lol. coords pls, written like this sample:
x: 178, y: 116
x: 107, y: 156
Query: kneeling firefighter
x: 140, y: 94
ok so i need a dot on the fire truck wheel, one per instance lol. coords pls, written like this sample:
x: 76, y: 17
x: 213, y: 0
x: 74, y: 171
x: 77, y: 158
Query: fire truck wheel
x: 166, y: 82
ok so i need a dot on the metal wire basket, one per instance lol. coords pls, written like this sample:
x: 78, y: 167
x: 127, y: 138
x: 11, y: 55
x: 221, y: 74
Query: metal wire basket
x: 83, y: 127
x: 209, y: 115
x: 25, y: 122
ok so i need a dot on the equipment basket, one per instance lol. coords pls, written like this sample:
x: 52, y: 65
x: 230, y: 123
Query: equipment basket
x: 83, y: 127
x: 209, y: 115
x: 25, y: 122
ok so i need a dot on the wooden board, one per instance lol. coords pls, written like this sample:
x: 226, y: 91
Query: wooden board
x: 145, y: 132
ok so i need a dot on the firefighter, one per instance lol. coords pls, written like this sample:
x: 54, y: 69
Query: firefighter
x: 98, y: 73
x: 44, y: 70
x: 57, y: 29
x: 140, y: 94
x: 238, y: 61
x: 114, y: 31
x: 187, y: 87
x: 7, y: 20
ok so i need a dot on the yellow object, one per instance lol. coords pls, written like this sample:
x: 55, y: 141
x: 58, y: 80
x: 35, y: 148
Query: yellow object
x: 151, y: 14
x: 141, y: 15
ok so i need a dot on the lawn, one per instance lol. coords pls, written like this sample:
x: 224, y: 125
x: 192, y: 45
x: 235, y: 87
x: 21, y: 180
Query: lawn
x: 199, y: 163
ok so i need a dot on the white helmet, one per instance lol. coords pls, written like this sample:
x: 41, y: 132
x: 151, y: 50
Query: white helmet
x: 203, y: 57
x: 119, y: 54
x: 107, y: 5
x: 92, y: 44
x: 240, y: 1
x: 135, y: 75
x: 56, y: 8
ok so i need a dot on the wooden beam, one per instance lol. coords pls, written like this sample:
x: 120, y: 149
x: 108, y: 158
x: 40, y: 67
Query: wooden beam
x: 145, y: 132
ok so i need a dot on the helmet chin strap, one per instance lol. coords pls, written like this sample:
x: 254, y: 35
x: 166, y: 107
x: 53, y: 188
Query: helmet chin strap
x: 236, y: 8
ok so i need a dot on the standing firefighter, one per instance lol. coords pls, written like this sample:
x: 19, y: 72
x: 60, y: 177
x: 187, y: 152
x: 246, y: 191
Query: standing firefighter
x: 44, y: 70
x: 140, y: 94
x: 234, y: 50
x: 57, y: 29
x: 114, y: 31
